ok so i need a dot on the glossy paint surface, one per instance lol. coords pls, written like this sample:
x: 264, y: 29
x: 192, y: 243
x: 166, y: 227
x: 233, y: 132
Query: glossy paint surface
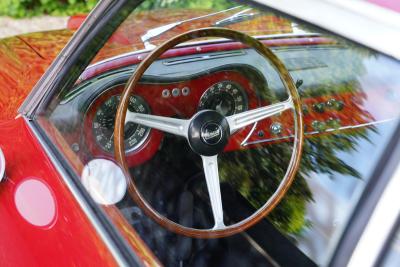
x: 23, y: 60
x: 41, y: 222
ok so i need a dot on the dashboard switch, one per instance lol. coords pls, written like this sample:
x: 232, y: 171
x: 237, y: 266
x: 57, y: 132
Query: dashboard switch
x: 176, y: 92
x: 335, y: 104
x: 185, y: 91
x: 166, y: 93
x: 319, y: 107
x: 276, y: 128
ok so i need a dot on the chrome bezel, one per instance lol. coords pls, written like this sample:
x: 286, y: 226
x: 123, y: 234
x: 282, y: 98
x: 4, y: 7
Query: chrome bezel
x: 238, y: 86
x: 145, y: 136
x: 2, y: 165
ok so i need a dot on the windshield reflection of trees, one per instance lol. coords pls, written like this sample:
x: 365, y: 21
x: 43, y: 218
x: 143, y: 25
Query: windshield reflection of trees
x: 256, y: 173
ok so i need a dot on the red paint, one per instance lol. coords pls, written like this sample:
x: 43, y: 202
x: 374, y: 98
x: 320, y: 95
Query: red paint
x: 74, y: 22
x: 60, y: 233
x: 69, y: 239
x: 23, y: 60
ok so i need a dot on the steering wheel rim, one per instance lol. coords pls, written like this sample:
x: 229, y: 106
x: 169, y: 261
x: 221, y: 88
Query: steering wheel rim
x: 182, y: 127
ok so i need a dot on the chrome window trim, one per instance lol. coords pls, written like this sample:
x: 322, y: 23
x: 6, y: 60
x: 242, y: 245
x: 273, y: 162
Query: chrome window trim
x: 92, y: 217
x: 352, y: 19
x: 379, y: 226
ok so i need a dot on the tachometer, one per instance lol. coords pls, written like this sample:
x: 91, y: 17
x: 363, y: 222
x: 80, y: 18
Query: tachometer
x: 104, y: 119
x: 226, y: 97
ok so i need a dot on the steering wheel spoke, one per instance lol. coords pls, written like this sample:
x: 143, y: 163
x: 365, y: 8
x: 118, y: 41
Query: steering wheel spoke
x: 169, y: 125
x: 240, y: 120
x: 210, y: 165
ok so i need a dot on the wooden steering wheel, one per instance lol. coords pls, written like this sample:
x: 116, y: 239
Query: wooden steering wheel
x: 207, y: 133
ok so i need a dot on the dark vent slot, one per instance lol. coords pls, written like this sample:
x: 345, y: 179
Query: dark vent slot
x: 204, y: 57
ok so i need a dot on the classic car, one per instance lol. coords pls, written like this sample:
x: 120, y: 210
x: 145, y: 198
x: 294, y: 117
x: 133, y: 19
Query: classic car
x: 203, y: 133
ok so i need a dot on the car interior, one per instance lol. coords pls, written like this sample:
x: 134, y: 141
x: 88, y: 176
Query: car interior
x: 349, y: 104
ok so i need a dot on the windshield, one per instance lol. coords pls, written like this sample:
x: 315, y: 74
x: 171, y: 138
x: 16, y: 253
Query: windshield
x: 160, y: 28
x: 213, y: 129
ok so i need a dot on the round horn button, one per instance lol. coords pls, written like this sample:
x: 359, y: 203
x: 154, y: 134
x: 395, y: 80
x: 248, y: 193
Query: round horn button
x: 211, y: 133
x: 208, y: 133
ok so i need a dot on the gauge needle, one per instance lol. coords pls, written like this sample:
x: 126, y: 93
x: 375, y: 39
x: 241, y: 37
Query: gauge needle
x: 219, y: 107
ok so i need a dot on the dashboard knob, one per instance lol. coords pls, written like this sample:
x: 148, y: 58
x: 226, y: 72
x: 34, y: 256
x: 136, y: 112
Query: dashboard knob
x: 166, y: 93
x: 335, y: 104
x: 176, y: 92
x: 276, y: 128
x: 319, y: 107
x: 185, y: 91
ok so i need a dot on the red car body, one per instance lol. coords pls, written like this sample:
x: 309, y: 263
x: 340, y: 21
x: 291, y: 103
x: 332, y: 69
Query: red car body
x: 42, y: 224
x: 48, y: 197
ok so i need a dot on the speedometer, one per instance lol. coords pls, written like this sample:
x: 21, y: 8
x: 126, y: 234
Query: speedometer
x: 226, y: 97
x: 104, y: 119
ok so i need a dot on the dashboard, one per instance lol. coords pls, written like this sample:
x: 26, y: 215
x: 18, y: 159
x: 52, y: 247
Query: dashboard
x: 229, y: 82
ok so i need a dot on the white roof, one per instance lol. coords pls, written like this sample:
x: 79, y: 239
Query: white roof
x: 367, y: 23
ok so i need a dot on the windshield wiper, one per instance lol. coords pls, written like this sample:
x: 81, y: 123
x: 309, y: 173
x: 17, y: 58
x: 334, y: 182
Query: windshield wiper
x: 236, y: 18
x: 150, y: 34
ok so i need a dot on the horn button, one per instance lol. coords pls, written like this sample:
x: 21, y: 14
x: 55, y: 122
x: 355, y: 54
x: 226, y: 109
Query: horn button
x: 208, y: 133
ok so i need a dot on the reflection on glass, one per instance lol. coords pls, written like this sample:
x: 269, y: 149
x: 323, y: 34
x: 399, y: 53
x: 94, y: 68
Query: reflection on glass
x: 350, y: 99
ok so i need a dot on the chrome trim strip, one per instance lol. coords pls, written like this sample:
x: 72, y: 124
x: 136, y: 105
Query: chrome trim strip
x: 316, y: 132
x: 82, y: 203
x: 380, y: 225
x: 2, y: 165
x: 360, y: 21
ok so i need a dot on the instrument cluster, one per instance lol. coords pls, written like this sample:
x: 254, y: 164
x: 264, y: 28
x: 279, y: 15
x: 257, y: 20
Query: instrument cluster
x: 104, y: 119
x: 180, y: 99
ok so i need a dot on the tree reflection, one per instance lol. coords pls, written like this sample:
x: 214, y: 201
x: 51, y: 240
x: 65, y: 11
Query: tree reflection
x: 257, y: 172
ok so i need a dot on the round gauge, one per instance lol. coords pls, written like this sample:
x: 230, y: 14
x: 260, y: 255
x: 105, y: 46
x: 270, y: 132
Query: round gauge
x: 226, y: 97
x: 104, y: 119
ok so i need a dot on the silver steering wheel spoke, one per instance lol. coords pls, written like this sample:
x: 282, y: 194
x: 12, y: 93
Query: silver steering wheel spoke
x: 210, y: 165
x: 169, y: 125
x: 240, y: 120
